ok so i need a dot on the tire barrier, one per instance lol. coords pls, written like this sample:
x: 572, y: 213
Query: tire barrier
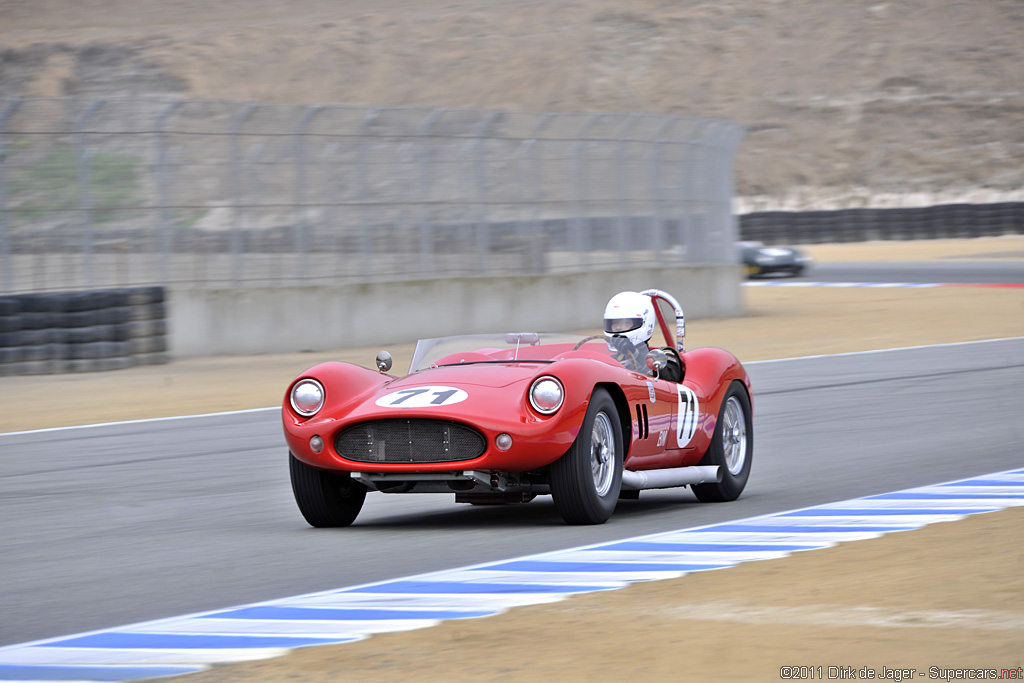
x: 861, y: 225
x: 83, y: 331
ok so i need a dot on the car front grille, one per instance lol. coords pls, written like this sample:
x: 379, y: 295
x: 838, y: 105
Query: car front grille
x: 410, y: 441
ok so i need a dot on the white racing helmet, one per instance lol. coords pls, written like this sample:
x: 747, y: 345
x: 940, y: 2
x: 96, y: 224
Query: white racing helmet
x: 630, y: 315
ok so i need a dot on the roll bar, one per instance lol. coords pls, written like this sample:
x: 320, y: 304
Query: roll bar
x: 680, y: 338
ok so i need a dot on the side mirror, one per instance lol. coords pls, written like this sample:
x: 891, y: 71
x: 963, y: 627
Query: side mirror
x: 657, y: 360
x: 384, y: 361
x: 529, y: 338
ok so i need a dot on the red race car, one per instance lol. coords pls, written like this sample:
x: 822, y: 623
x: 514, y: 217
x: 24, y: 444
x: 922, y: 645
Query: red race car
x: 504, y: 418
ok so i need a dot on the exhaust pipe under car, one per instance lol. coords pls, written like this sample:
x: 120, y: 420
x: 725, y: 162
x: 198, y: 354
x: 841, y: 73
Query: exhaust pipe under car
x: 670, y: 478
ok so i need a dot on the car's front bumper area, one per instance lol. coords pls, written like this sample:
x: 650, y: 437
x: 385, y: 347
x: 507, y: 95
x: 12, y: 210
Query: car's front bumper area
x: 428, y: 444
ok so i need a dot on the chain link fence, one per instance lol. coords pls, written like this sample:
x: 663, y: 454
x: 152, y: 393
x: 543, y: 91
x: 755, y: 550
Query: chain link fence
x: 190, y: 193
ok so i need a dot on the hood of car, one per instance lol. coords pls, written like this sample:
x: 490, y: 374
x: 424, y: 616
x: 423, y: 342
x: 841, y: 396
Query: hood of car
x: 497, y: 375
x: 477, y: 391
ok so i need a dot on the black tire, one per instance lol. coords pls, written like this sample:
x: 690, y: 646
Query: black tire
x: 88, y: 335
x: 39, y: 321
x: 584, y: 485
x: 148, y: 344
x: 140, y: 296
x: 733, y: 452
x: 145, y: 312
x: 325, y: 499
x: 145, y: 328
x: 151, y: 358
x: 93, y: 350
x: 9, y: 306
x: 41, y: 302
x: 12, y: 354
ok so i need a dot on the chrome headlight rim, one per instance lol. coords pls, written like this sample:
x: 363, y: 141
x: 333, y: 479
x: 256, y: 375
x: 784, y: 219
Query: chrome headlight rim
x: 308, y: 381
x: 533, y: 391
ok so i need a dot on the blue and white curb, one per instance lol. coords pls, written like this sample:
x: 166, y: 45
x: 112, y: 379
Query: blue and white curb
x: 192, y: 643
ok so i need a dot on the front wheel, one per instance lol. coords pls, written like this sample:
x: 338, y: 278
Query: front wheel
x: 325, y: 499
x: 732, y: 448
x: 585, y: 482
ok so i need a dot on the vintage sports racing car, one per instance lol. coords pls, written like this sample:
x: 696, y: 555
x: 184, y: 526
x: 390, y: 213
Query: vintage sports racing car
x: 504, y: 418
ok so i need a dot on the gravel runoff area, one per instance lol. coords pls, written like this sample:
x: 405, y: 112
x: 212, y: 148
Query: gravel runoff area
x: 950, y: 595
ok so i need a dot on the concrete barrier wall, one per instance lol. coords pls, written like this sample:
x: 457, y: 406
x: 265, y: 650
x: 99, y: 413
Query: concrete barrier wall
x: 255, y: 320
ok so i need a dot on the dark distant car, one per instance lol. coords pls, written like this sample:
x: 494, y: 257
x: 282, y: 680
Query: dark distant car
x: 759, y: 260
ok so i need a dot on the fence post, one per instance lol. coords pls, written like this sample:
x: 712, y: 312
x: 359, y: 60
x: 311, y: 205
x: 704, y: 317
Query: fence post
x: 423, y: 166
x: 302, y: 224
x: 85, y: 204
x: 620, y: 184
x: 580, y: 236
x: 480, y: 185
x: 695, y: 186
x: 165, y: 254
x: 530, y: 228
x: 6, y: 262
x: 364, y: 193
x: 729, y: 189
x: 236, y: 193
x: 657, y: 244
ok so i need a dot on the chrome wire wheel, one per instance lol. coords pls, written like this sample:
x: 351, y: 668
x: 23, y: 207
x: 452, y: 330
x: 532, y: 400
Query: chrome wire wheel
x: 731, y: 448
x: 734, y: 436
x: 602, y: 454
x: 585, y: 481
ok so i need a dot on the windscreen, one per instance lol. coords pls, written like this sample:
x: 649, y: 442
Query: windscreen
x: 501, y: 348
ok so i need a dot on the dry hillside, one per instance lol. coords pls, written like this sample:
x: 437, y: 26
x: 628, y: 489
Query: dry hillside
x: 844, y: 102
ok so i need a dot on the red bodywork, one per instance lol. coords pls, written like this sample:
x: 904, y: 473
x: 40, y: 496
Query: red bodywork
x: 496, y: 401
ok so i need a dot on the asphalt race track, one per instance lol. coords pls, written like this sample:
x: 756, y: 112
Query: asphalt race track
x: 953, y: 272
x: 108, y: 525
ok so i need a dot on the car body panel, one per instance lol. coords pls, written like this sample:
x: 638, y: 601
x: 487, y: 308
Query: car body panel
x: 486, y: 388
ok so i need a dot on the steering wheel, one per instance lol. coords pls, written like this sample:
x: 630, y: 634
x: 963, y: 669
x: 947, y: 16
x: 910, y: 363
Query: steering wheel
x: 586, y: 339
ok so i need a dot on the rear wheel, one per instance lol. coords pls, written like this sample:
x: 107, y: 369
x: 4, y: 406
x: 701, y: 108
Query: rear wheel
x: 325, y: 499
x: 732, y: 448
x: 585, y: 482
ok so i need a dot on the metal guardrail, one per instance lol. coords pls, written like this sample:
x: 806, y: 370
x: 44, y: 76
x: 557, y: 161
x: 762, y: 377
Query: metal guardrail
x: 141, y: 191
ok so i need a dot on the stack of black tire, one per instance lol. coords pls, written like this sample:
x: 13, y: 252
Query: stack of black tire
x: 944, y: 221
x: 83, y: 331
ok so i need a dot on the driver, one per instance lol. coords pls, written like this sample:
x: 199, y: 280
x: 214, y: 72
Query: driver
x: 629, y: 321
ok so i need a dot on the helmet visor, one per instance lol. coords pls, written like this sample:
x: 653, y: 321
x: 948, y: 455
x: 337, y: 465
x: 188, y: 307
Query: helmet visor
x: 620, y: 325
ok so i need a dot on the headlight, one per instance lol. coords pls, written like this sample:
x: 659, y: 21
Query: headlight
x: 307, y: 397
x: 546, y: 395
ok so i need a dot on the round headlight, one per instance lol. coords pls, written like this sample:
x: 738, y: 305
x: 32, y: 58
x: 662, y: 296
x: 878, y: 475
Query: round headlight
x: 307, y: 397
x: 546, y: 395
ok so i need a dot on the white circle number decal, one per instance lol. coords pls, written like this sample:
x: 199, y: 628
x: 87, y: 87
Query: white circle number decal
x: 689, y: 415
x: 422, y: 397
